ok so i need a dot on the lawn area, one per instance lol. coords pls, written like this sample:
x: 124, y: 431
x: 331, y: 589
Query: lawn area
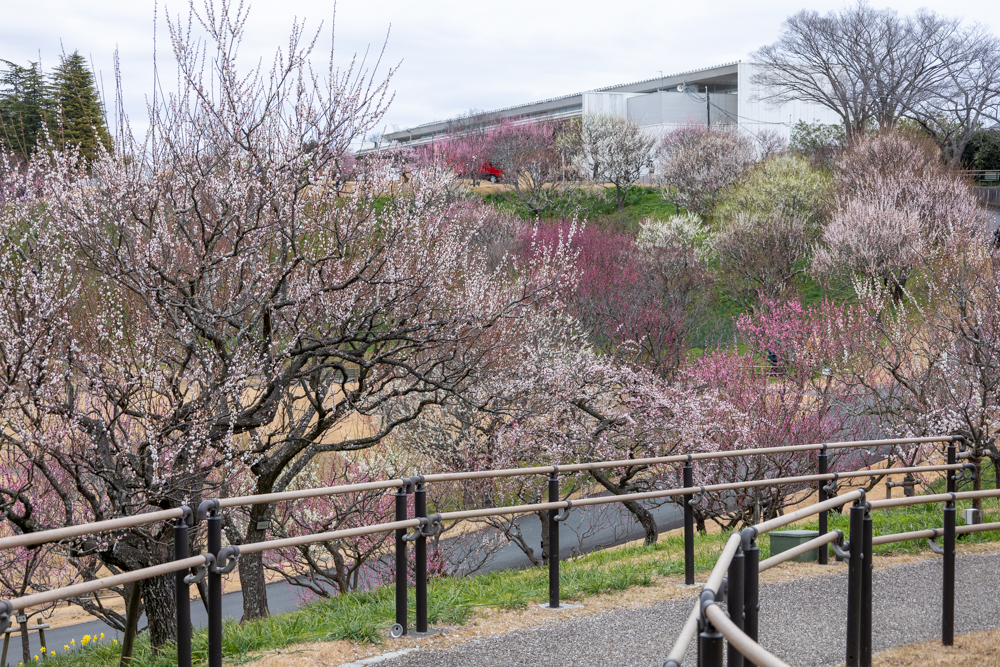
x: 366, y: 616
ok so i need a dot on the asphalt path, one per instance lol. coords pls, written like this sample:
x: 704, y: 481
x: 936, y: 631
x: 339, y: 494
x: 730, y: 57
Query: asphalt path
x: 586, y: 529
x: 802, y: 622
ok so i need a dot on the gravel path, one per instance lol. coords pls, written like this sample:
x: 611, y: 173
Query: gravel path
x: 907, y: 609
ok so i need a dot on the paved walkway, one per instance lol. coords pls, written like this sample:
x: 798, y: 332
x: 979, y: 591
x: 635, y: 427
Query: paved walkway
x: 801, y: 621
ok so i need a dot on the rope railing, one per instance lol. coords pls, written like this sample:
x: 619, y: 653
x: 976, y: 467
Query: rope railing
x: 220, y: 560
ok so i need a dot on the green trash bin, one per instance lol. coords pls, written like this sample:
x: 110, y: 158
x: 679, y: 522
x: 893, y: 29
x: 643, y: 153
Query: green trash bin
x: 783, y: 540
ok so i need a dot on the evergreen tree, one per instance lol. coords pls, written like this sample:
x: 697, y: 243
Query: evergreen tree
x: 77, y: 107
x: 22, y: 106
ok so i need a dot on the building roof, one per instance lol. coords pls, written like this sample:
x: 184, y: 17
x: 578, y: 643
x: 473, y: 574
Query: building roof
x: 567, y: 106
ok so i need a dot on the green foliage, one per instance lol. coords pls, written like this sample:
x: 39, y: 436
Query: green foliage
x: 22, y: 105
x: 599, y: 206
x: 817, y: 142
x: 987, y: 154
x: 785, y: 184
x: 77, y: 105
x: 66, y: 101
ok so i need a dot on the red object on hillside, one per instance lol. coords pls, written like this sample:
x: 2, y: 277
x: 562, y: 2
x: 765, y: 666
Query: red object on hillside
x: 490, y: 172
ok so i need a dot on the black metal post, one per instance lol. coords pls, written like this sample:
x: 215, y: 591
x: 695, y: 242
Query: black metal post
x: 420, y: 510
x: 823, y: 528
x: 735, y: 603
x: 688, y: 526
x: 553, y: 542
x: 214, y: 543
x: 854, y: 562
x: 401, y: 510
x: 948, y: 582
x: 867, y: 565
x: 710, y: 652
x: 710, y: 640
x: 751, y: 586
x: 183, y: 593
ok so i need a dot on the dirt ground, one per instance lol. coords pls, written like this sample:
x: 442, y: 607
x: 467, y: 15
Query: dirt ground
x: 976, y: 649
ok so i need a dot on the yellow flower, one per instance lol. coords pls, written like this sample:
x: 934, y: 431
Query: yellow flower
x: 72, y: 642
x: 36, y: 657
x: 102, y: 635
x: 65, y: 647
x: 43, y: 649
x: 85, y: 640
x: 114, y: 641
x: 52, y: 652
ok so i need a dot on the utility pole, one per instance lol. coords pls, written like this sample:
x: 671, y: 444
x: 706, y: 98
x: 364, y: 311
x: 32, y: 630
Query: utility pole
x: 708, y: 107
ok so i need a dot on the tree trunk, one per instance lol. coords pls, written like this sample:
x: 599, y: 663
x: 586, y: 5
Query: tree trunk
x: 158, y: 600
x: 252, y: 571
x: 621, y: 198
x: 543, y: 516
x: 645, y: 518
x: 641, y: 514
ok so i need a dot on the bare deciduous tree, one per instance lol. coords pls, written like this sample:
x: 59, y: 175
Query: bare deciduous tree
x: 873, y: 67
x: 614, y: 150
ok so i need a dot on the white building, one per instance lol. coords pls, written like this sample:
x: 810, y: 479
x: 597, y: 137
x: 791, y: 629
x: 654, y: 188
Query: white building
x: 723, y: 95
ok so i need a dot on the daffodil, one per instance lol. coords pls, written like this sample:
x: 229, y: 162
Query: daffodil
x: 65, y: 647
x: 72, y: 642
x: 102, y: 635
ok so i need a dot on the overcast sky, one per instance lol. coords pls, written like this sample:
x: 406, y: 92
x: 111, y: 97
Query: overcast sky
x: 453, y: 55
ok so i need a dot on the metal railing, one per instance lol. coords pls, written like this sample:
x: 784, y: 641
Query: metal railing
x: 738, y: 623
x: 220, y: 560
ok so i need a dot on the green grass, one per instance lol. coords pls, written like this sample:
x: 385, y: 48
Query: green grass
x: 366, y: 616
x: 600, y: 207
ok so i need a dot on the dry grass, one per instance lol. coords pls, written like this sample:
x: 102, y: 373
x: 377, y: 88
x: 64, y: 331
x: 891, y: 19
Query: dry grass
x: 976, y: 649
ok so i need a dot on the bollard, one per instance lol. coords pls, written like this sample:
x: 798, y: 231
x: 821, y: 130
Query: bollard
x: 181, y: 551
x: 688, y: 525
x: 734, y: 601
x: 854, y: 562
x: 710, y: 640
x: 553, y: 541
x: 751, y: 585
x: 420, y: 510
x: 823, y: 528
x: 948, y: 579
x: 401, y: 510
x: 867, y: 565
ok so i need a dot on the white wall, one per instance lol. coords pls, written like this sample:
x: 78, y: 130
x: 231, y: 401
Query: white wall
x: 755, y: 114
x: 613, y: 104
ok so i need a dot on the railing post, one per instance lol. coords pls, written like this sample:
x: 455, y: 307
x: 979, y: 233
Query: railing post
x: 553, y: 541
x: 751, y: 585
x: 854, y: 563
x: 214, y: 543
x: 183, y: 592
x: 401, y: 510
x: 734, y: 601
x: 420, y: 510
x: 823, y: 528
x: 710, y: 640
x: 948, y: 579
x: 867, y: 566
x: 688, y: 525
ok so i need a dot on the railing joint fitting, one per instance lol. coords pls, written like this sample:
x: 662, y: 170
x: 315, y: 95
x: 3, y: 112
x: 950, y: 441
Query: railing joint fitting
x: 748, y: 537
x: 208, y: 508
x: 564, y: 514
